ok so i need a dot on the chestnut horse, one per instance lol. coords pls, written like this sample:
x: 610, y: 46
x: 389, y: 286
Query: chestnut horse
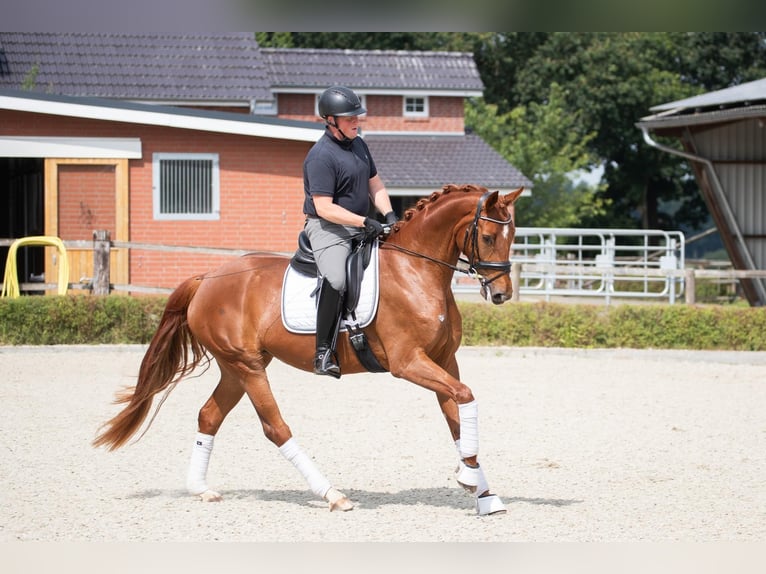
x: 234, y: 314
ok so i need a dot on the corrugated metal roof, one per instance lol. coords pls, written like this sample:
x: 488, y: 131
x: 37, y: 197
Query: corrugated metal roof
x: 676, y: 120
x: 182, y: 67
x: 431, y: 162
x: 746, y: 93
x: 372, y: 69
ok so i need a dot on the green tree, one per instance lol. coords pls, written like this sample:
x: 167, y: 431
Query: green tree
x: 540, y: 140
x: 614, y: 79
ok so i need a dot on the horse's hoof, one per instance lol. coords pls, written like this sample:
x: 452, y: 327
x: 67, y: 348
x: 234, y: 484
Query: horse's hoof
x: 338, y: 501
x: 489, y: 504
x: 343, y: 504
x: 210, y: 496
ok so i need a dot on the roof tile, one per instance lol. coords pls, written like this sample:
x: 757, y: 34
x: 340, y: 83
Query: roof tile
x: 135, y: 66
x: 380, y: 69
x: 432, y: 161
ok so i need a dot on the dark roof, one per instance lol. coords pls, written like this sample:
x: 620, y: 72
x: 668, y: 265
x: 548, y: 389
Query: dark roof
x: 432, y: 161
x: 372, y: 69
x: 182, y: 67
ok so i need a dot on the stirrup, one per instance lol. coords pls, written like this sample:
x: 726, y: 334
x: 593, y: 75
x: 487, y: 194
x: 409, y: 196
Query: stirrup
x: 324, y: 364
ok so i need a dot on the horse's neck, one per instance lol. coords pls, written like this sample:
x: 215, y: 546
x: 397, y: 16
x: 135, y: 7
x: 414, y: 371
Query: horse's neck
x: 435, y: 232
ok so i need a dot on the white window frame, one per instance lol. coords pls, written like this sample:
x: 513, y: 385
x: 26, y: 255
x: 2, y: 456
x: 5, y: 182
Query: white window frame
x: 215, y: 209
x: 414, y: 114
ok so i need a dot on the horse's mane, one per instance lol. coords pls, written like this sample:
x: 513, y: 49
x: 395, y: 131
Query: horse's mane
x: 410, y: 213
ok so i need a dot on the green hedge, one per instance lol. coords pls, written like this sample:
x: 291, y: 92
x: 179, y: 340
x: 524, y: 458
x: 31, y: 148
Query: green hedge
x: 680, y: 326
x: 79, y: 319
x: 83, y: 319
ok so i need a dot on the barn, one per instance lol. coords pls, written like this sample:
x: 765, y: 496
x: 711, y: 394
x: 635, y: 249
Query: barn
x: 198, y: 140
x: 722, y: 135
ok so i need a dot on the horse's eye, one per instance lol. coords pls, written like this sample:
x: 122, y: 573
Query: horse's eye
x: 488, y: 240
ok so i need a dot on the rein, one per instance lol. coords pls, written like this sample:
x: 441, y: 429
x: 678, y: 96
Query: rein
x: 474, y: 264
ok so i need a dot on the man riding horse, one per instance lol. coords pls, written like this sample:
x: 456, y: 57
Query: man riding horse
x: 339, y: 181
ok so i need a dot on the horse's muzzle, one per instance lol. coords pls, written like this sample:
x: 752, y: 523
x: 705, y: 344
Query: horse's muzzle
x: 494, y: 294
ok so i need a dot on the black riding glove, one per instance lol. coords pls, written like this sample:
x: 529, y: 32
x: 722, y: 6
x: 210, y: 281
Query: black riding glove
x: 391, y: 218
x: 372, y: 228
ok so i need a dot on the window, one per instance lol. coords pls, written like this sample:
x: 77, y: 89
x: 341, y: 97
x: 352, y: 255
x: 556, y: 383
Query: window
x: 416, y: 107
x: 185, y: 186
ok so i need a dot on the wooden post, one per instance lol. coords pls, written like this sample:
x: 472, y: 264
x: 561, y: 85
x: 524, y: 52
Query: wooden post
x: 515, y: 280
x: 690, y: 287
x: 101, y: 249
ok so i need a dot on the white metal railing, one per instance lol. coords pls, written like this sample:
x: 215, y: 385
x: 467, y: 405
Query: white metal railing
x: 603, y: 263
x: 548, y: 262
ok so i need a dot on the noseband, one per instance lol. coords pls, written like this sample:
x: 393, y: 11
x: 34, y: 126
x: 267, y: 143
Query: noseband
x: 475, y: 264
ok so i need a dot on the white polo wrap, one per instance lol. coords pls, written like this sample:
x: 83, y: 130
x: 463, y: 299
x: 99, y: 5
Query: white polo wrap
x: 292, y: 451
x: 196, y: 481
x: 469, y: 429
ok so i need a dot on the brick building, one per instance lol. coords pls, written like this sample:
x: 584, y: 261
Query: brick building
x: 198, y: 140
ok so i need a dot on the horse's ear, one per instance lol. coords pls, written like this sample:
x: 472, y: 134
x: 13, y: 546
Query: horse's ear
x: 491, y: 200
x: 510, y: 198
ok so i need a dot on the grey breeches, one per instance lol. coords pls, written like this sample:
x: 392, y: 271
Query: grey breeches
x: 331, y: 244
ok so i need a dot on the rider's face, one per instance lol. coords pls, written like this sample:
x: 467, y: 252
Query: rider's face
x: 349, y: 125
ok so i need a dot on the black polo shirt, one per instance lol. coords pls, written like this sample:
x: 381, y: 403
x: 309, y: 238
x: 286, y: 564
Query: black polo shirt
x: 341, y: 170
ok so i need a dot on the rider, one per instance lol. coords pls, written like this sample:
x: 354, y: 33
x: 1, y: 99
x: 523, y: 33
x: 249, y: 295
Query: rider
x: 339, y: 180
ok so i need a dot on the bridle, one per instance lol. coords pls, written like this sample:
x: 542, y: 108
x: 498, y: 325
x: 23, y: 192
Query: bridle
x: 473, y: 264
x: 472, y: 232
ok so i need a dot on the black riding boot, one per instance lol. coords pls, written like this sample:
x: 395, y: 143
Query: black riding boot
x: 328, y: 321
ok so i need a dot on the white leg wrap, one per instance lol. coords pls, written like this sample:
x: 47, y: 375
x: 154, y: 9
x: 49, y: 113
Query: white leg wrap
x: 318, y: 484
x: 196, y: 482
x: 469, y: 429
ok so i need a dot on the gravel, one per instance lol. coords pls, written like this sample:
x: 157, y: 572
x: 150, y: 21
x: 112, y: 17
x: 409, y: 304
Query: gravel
x: 582, y: 445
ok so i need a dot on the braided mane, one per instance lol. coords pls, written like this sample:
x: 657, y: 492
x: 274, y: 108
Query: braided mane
x: 410, y: 213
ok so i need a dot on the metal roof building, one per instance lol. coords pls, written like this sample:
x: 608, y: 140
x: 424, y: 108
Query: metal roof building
x: 723, y: 136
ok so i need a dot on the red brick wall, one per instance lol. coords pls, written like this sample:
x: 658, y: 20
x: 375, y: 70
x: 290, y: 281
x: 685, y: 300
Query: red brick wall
x: 261, y: 182
x: 384, y: 113
x: 261, y: 192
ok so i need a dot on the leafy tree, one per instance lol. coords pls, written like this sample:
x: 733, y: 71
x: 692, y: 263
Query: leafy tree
x: 614, y: 79
x: 540, y: 139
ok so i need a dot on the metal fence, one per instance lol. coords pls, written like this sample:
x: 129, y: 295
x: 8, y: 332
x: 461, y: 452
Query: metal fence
x: 547, y: 262
x: 595, y: 263
x: 603, y: 263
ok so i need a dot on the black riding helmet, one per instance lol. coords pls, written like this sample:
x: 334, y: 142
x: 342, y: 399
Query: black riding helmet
x: 340, y: 101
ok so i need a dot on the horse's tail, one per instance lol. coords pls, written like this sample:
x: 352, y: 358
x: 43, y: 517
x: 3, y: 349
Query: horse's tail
x: 173, y: 353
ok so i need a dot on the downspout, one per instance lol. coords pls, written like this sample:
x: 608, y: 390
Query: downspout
x: 718, y: 191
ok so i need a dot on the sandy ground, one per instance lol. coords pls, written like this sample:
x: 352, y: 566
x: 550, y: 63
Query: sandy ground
x: 585, y: 445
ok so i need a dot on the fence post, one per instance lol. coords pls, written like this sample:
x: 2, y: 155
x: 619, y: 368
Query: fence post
x: 689, y: 287
x: 101, y: 249
x: 515, y: 280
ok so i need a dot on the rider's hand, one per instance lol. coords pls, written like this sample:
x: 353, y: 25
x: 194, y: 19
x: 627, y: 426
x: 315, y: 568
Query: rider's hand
x: 391, y: 218
x: 372, y: 228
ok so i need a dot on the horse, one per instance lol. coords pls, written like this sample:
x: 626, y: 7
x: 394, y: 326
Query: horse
x: 233, y: 315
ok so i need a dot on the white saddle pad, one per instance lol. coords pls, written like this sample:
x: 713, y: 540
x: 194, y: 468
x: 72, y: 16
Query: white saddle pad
x: 299, y: 314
